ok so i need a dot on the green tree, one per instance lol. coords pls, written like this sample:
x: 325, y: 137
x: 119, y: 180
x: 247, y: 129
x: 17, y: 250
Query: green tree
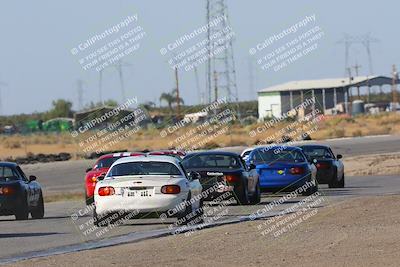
x: 61, y: 108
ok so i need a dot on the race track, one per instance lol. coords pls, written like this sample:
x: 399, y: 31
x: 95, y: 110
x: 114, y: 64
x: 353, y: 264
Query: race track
x: 61, y: 231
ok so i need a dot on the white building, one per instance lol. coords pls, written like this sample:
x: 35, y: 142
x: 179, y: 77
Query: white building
x: 328, y: 93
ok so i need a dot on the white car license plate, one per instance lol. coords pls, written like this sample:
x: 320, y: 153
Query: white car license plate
x: 138, y: 193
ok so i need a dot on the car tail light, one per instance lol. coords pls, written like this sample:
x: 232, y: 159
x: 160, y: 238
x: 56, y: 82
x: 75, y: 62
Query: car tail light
x: 322, y: 165
x: 170, y: 189
x: 7, y: 191
x: 297, y: 170
x: 93, y: 179
x: 106, y: 191
x: 231, y: 178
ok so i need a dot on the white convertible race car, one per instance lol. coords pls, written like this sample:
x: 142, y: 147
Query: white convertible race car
x: 136, y: 186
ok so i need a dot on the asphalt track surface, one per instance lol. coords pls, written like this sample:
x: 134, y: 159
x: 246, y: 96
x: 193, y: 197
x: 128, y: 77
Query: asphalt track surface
x: 61, y: 231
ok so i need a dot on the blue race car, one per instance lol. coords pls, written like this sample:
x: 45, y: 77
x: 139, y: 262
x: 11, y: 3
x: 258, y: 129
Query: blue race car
x: 283, y: 168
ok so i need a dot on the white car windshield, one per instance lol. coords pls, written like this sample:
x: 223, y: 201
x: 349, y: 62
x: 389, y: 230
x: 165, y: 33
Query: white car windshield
x: 144, y: 168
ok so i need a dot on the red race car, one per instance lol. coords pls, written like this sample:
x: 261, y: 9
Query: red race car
x: 101, y: 167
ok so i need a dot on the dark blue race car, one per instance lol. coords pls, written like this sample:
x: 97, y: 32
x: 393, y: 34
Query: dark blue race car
x: 283, y: 168
x: 19, y: 195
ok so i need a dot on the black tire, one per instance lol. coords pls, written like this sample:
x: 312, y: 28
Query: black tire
x: 334, y: 181
x: 38, y: 212
x: 22, y: 212
x: 256, y: 197
x: 341, y: 183
x: 242, y: 196
x: 89, y: 200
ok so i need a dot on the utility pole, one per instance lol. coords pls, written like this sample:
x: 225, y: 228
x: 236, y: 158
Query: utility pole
x: 395, y: 78
x: 178, y: 102
x: 215, y: 85
x: 346, y: 104
x: 199, y: 94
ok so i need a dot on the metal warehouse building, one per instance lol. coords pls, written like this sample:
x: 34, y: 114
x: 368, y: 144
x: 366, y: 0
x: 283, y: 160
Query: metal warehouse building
x: 329, y: 93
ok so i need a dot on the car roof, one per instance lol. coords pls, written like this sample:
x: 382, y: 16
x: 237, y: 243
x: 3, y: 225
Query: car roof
x: 8, y: 164
x: 282, y: 147
x: 214, y: 152
x: 314, y: 146
x: 167, y: 152
x: 121, y: 154
x: 148, y: 158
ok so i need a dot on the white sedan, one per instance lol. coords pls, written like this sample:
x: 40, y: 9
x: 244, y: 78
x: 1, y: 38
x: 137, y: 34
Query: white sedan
x: 147, y: 184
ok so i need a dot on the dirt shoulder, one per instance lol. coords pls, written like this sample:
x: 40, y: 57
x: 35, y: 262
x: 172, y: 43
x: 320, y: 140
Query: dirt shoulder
x: 380, y: 164
x: 358, y: 232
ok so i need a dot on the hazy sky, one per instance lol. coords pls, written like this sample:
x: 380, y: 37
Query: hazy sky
x: 37, y: 36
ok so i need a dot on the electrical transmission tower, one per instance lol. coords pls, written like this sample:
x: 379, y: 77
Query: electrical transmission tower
x: 119, y: 67
x: 365, y: 40
x: 221, y: 60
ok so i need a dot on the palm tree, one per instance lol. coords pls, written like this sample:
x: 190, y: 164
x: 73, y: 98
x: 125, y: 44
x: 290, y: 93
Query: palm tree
x: 167, y: 97
x: 171, y: 98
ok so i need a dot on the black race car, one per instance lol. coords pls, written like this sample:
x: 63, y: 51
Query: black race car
x: 330, y: 169
x: 227, y: 172
x: 19, y: 195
